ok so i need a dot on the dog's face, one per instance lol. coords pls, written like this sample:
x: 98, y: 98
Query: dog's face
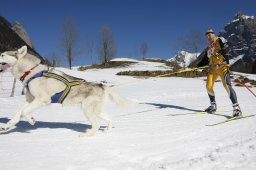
x: 9, y: 58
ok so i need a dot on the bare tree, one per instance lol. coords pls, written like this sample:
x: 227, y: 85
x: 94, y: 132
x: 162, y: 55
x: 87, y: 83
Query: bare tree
x: 144, y: 49
x: 107, y: 47
x: 193, y: 42
x: 70, y: 39
x: 13, y: 87
x: 90, y: 49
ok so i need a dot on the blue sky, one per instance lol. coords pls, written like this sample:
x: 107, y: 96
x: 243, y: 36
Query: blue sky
x: 159, y: 23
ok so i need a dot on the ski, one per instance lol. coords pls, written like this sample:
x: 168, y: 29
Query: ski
x: 231, y: 119
x: 200, y: 112
x: 197, y: 112
x: 205, y: 112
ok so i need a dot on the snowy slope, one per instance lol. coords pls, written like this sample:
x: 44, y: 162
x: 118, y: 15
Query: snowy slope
x: 160, y: 132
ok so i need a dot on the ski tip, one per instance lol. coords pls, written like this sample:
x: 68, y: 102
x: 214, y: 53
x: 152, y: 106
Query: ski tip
x: 232, y: 118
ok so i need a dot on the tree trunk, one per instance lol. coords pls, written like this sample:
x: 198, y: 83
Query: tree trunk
x: 69, y: 57
x: 13, y: 87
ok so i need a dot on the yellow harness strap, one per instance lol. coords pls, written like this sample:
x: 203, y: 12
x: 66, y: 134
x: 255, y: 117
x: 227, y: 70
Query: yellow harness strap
x: 66, y: 82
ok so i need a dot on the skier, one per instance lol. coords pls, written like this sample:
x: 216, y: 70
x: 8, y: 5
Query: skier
x: 216, y: 56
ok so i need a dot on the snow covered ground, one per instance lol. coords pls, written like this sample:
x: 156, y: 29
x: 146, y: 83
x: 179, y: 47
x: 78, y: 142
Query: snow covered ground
x: 159, y: 132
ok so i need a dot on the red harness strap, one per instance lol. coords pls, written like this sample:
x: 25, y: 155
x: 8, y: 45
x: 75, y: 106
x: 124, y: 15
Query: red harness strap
x: 27, y: 73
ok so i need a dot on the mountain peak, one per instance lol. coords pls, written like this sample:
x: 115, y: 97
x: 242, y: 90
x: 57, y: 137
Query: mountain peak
x: 184, y: 58
x: 10, y: 40
x: 241, y: 36
x: 20, y: 30
x: 241, y: 15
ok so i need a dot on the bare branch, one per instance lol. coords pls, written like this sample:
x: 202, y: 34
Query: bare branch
x: 194, y: 42
x: 69, y: 39
x: 144, y: 49
x: 107, y: 47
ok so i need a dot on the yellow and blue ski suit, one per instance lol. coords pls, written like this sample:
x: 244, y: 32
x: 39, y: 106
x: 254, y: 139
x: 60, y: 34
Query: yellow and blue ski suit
x: 218, y: 67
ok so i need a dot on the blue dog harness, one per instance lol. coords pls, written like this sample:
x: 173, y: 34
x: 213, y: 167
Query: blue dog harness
x: 58, y: 97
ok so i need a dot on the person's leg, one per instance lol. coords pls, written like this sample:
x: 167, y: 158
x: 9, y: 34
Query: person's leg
x: 226, y: 81
x: 211, y: 78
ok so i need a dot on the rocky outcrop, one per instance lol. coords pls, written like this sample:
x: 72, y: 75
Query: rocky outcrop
x: 241, y: 36
x: 10, y: 40
x: 20, y: 30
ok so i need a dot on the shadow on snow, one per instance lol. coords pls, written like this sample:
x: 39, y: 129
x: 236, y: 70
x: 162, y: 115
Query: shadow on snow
x: 164, y: 106
x: 25, y: 127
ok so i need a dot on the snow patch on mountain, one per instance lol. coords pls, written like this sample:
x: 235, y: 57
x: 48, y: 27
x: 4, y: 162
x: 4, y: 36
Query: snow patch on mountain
x: 184, y: 58
x: 234, y: 60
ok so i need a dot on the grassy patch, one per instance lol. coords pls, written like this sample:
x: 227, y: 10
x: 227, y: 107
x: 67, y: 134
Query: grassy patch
x: 249, y: 82
x: 110, y: 64
x: 167, y: 73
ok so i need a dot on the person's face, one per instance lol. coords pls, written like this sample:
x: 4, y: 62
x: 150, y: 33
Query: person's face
x: 210, y: 37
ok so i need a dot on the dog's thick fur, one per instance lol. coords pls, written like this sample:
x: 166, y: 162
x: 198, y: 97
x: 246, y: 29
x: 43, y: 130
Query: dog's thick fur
x: 38, y: 92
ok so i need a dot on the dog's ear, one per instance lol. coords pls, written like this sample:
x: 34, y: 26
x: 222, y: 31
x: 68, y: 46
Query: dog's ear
x: 22, y: 51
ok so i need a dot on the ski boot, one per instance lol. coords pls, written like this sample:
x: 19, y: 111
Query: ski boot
x: 236, y: 110
x: 211, y: 108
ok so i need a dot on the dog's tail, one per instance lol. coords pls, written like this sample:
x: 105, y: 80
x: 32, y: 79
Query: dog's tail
x: 115, y: 97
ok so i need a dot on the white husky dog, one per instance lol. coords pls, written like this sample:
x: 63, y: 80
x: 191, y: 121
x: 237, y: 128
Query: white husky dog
x: 43, y: 87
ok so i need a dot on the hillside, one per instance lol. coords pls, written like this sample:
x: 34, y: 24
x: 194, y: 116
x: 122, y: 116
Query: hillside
x: 161, y: 131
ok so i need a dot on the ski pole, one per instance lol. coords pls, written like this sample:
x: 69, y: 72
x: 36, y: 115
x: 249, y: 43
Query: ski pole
x: 245, y: 86
x: 182, y: 71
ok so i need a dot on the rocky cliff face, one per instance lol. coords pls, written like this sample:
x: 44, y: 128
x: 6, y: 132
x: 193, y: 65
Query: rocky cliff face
x: 10, y: 40
x: 20, y: 30
x: 241, y: 36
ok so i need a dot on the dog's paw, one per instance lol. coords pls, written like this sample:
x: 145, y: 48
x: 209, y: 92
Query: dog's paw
x: 31, y: 121
x: 3, y: 129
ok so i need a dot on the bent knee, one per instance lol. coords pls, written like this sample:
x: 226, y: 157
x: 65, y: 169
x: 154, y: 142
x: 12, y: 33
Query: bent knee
x: 209, y: 87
